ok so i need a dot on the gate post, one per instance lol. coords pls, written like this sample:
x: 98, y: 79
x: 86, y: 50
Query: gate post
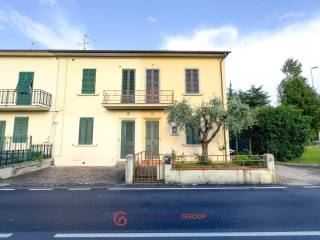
x: 129, y: 168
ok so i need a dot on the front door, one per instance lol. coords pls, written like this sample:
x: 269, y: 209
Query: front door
x: 2, y: 134
x: 24, y: 88
x: 152, y: 86
x: 128, y: 86
x: 127, y: 138
x: 152, y: 138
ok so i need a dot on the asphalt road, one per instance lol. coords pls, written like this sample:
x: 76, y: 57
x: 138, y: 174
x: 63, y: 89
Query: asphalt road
x: 137, y: 213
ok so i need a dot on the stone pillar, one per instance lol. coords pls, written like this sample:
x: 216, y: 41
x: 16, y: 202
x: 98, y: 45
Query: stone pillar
x: 129, y: 168
x: 270, y: 165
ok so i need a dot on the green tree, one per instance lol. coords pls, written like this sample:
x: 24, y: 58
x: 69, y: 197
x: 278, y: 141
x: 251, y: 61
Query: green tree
x: 205, y: 120
x: 281, y: 131
x: 295, y: 91
x: 240, y: 117
x: 254, y: 97
x: 208, y: 118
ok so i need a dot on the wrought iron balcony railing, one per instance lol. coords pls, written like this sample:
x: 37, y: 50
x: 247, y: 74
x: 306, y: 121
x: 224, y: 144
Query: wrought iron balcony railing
x: 18, y: 99
x: 137, y: 98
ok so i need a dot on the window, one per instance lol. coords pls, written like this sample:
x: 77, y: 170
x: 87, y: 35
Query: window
x: 85, y: 131
x: 20, y: 129
x: 174, y: 130
x: 192, y: 81
x: 192, y: 137
x: 88, y: 81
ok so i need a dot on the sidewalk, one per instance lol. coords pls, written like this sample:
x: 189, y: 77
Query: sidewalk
x: 71, y: 176
x: 297, y: 175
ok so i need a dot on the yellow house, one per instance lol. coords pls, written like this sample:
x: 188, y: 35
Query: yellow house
x: 96, y: 106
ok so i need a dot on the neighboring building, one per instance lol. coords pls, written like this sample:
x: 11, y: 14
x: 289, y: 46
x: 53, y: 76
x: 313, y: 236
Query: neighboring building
x: 97, y: 106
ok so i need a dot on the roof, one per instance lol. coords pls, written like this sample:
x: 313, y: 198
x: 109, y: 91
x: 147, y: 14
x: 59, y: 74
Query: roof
x: 111, y: 53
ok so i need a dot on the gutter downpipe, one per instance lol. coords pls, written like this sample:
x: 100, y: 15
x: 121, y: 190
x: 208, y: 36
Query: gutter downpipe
x: 223, y: 102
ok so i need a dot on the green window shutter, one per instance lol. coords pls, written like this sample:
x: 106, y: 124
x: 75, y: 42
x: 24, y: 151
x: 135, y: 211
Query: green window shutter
x: 2, y: 134
x: 88, y: 81
x: 85, y: 131
x: 25, y: 81
x: 192, y: 137
x: 20, y: 130
x: 128, y: 85
x: 24, y: 88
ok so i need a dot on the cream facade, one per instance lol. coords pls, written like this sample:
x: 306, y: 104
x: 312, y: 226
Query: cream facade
x: 60, y: 73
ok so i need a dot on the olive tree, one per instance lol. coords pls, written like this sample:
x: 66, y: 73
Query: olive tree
x: 207, y: 119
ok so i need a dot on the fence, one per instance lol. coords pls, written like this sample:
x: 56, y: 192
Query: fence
x: 36, y: 97
x: 219, y: 161
x: 148, y: 167
x: 16, y: 150
x: 138, y: 97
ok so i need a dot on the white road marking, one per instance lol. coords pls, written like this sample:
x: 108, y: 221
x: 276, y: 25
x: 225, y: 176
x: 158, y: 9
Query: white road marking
x: 79, y: 189
x: 311, y: 186
x: 40, y: 189
x: 190, y: 234
x: 192, y: 188
x: 5, y: 235
x: 7, y: 189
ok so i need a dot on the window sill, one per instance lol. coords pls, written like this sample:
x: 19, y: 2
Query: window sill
x: 191, y: 145
x: 192, y: 94
x: 88, y: 94
x: 85, y: 145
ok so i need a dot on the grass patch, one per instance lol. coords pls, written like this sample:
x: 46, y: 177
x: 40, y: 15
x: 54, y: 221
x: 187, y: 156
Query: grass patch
x: 311, y: 155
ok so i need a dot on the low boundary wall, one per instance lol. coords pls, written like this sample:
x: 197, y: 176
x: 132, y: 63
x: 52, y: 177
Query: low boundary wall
x: 24, y: 167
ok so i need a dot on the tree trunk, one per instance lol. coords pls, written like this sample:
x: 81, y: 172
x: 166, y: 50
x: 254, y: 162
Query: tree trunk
x: 204, y: 156
x: 237, y: 145
x: 250, y: 145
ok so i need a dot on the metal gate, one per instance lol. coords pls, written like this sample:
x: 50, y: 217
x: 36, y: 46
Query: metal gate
x: 148, y: 168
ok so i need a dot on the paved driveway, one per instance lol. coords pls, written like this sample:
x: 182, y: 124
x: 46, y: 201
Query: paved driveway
x: 71, y: 176
x: 290, y: 175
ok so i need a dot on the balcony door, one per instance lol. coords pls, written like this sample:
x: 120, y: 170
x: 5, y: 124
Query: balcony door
x: 2, y: 134
x: 152, y: 86
x: 127, y: 138
x: 24, y: 88
x: 128, y: 86
x: 152, y: 139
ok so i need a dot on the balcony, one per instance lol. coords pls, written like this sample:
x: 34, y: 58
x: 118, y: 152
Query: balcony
x: 34, y: 100
x: 137, y: 99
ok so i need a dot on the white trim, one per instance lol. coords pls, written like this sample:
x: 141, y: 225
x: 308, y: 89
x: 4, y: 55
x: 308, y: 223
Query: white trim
x: 87, y: 94
x: 85, y: 145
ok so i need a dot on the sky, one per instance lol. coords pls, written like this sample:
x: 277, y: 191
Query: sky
x: 261, y: 34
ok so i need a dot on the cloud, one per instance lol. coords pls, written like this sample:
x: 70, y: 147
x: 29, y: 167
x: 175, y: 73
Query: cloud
x: 256, y: 58
x: 60, y: 35
x: 292, y: 15
x: 47, y: 2
x: 151, y: 19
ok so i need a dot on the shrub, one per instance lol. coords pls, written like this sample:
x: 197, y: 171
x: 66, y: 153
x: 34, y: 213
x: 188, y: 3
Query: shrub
x: 282, y: 131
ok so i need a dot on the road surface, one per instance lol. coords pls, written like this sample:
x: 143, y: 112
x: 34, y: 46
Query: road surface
x: 160, y: 213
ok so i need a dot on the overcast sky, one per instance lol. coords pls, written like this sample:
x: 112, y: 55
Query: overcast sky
x: 260, y: 34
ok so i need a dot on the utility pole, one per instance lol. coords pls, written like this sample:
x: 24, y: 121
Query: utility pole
x: 85, y: 42
x: 312, y: 74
